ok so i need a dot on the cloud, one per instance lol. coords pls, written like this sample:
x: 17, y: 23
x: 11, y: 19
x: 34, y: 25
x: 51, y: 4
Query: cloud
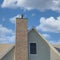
x: 13, y: 19
x: 33, y: 14
x: 7, y: 39
x: 34, y: 4
x: 6, y: 35
x: 49, y: 39
x: 46, y: 35
x: 55, y: 42
x: 49, y: 24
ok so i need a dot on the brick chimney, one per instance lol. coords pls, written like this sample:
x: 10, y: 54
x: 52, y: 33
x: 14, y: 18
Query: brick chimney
x: 21, y: 50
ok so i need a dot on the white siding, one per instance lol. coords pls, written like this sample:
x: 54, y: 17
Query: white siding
x: 43, y: 50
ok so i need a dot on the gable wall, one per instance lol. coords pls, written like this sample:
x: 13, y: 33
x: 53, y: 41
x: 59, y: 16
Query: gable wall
x: 43, y: 50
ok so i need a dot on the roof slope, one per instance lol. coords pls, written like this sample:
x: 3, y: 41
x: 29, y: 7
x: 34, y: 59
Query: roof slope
x: 4, y: 49
x: 57, y: 46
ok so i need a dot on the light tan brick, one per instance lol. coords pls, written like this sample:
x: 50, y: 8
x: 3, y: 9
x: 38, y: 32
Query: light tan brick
x: 21, y: 49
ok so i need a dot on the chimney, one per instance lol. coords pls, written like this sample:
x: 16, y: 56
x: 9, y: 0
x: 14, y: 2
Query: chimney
x: 21, y: 50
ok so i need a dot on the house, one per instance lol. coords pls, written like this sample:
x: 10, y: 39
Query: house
x: 30, y: 45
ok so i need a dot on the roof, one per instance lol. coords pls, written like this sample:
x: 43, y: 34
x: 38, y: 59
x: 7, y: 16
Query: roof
x: 57, y: 47
x: 4, y: 49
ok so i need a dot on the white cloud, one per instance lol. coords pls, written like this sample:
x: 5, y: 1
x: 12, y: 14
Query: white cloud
x: 6, y: 35
x: 12, y: 3
x: 55, y: 42
x: 13, y: 19
x: 49, y: 24
x: 34, y: 4
x: 33, y: 14
x: 7, y: 39
x: 56, y: 5
x: 46, y: 36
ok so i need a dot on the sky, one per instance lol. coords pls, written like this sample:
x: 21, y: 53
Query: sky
x: 43, y: 15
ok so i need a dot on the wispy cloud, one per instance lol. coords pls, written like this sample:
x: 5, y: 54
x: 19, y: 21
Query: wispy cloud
x: 55, y: 42
x: 34, y: 4
x: 47, y: 36
x: 13, y: 19
x: 49, y: 24
x: 6, y: 35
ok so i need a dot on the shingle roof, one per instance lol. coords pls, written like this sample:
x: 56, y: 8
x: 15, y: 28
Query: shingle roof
x: 4, y: 49
x: 57, y: 45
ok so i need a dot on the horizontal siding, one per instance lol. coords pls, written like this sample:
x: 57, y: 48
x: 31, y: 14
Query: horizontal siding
x: 43, y: 50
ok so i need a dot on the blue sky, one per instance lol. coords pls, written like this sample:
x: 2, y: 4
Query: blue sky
x: 44, y: 15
